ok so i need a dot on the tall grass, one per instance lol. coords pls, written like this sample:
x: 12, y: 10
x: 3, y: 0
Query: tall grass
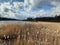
x: 29, y: 34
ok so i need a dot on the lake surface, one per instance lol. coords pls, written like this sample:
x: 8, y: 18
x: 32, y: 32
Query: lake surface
x: 9, y: 22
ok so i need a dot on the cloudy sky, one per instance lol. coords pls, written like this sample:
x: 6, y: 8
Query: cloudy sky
x: 22, y: 9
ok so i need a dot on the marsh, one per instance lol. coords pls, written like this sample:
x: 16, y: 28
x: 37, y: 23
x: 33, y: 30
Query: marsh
x: 29, y: 33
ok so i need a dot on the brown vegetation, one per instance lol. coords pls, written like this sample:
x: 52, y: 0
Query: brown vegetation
x: 30, y: 34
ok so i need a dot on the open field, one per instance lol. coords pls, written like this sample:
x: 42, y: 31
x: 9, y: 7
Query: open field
x: 33, y: 33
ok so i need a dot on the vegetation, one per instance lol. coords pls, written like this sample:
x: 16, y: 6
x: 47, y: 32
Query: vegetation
x: 4, y: 19
x: 48, y: 19
x: 30, y: 34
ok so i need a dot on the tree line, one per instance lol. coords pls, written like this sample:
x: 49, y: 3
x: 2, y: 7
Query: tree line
x: 52, y: 19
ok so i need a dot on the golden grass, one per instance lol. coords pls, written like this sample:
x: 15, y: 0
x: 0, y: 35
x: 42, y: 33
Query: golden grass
x: 30, y: 34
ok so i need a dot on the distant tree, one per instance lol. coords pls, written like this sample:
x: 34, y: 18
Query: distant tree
x: 57, y: 16
x: 29, y: 19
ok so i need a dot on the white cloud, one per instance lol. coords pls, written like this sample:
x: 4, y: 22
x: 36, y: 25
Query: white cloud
x: 22, y: 10
x: 8, y: 10
x: 54, y: 4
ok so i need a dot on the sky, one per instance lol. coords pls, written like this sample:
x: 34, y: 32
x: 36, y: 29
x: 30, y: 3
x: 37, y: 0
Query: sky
x: 22, y: 9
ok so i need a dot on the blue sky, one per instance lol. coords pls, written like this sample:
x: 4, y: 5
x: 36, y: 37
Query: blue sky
x: 12, y: 0
x: 35, y: 8
x: 21, y: 0
x: 44, y: 7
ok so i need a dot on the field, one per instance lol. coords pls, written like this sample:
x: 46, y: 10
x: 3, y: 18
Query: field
x: 33, y: 33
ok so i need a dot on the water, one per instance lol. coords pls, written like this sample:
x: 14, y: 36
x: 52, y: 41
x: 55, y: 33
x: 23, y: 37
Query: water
x: 9, y: 22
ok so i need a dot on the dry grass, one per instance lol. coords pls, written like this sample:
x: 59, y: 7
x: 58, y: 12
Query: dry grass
x: 30, y: 34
